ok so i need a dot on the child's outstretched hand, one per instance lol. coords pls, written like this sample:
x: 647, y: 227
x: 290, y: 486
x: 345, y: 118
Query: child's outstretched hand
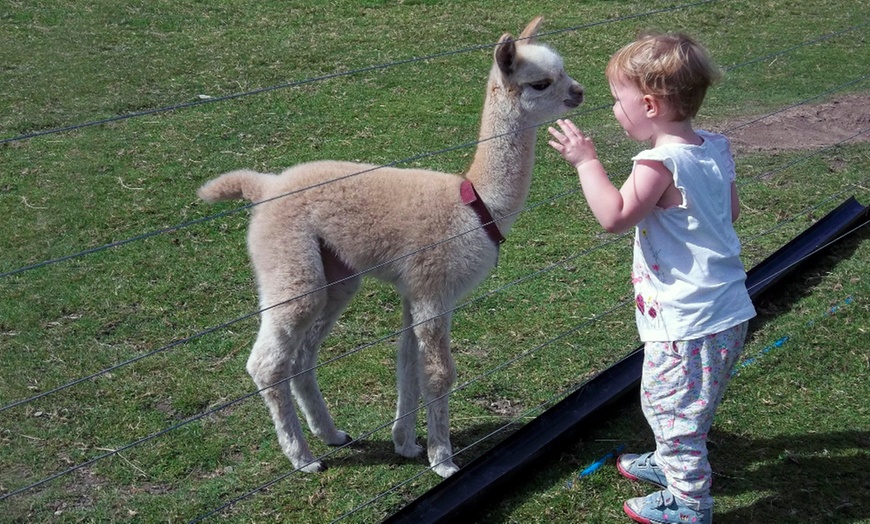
x: 573, y: 145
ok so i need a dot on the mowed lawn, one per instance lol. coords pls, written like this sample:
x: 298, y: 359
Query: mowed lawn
x: 128, y: 307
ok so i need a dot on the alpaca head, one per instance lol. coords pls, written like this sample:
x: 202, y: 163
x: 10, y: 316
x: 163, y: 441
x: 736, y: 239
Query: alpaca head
x: 534, y: 76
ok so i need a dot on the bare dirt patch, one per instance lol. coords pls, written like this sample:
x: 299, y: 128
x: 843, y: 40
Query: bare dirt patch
x: 805, y: 126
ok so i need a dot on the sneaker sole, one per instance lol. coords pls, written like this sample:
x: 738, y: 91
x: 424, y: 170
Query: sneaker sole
x: 634, y: 516
x: 643, y: 520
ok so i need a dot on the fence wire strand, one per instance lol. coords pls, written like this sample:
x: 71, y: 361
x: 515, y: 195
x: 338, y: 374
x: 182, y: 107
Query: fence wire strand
x: 331, y: 76
x: 257, y: 312
x: 170, y: 229
x: 487, y: 373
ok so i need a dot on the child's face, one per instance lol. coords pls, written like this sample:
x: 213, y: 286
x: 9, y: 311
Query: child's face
x: 631, y: 108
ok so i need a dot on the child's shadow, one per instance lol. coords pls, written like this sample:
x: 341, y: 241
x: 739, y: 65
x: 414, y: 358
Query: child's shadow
x: 823, y: 477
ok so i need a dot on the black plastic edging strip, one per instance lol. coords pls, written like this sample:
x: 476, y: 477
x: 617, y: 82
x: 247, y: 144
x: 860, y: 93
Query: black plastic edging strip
x: 459, y: 497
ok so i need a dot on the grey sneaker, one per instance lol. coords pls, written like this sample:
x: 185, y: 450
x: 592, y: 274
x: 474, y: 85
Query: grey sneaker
x: 641, y: 467
x: 662, y: 507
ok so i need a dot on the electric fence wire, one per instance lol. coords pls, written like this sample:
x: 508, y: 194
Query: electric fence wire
x: 298, y: 83
x: 522, y: 355
x: 194, y: 418
x: 622, y: 304
x: 170, y: 229
x: 552, y: 400
x: 563, y: 393
x: 311, y: 80
x: 854, y: 229
x: 805, y: 101
x: 257, y: 312
x: 838, y: 194
x: 246, y: 316
x: 249, y: 315
x: 537, y: 409
x: 209, y: 331
x: 803, y: 158
x: 486, y: 374
x: 781, y: 224
x: 387, y: 424
x: 797, y: 46
x: 526, y: 209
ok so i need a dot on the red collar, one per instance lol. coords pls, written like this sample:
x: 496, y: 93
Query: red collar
x: 470, y: 197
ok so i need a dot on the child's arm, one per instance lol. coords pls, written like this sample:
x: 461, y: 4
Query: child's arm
x: 735, y: 203
x: 617, y: 210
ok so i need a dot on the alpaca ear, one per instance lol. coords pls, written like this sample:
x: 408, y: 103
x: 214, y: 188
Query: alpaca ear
x: 506, y: 54
x: 528, y: 34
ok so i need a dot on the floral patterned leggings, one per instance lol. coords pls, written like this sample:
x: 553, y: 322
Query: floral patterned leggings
x: 681, y: 386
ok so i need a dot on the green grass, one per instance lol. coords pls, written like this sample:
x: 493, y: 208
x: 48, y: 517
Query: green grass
x: 791, y: 440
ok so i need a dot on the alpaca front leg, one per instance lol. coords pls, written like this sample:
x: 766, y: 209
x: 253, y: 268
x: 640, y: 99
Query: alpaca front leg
x: 268, y: 366
x: 438, y: 373
x: 440, y: 449
x: 408, y: 386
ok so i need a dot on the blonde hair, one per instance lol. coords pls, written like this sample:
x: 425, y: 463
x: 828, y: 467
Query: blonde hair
x: 673, y: 67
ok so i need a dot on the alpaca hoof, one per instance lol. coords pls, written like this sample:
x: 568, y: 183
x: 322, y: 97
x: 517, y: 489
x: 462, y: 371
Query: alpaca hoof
x: 445, y: 469
x: 340, y: 439
x: 314, y: 466
x: 412, y: 450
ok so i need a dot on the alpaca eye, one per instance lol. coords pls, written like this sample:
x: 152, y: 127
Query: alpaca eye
x: 540, y: 86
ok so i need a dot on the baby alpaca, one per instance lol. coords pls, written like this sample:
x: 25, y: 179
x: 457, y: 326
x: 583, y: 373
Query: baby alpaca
x: 307, y: 248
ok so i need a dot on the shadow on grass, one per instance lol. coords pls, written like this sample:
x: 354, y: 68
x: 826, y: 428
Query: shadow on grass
x: 469, y: 443
x: 820, y: 477
x: 812, y: 477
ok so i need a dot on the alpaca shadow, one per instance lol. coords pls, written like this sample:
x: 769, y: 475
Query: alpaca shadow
x: 468, y: 444
x: 822, y: 477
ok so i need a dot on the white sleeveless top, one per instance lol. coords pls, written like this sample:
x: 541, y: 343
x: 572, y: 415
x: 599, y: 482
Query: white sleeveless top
x: 687, y: 274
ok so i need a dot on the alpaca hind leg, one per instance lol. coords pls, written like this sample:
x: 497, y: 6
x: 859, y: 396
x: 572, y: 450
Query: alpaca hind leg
x: 269, y: 366
x: 437, y: 373
x: 408, y: 386
x: 304, y: 386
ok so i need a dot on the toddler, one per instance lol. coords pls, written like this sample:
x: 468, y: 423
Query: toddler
x: 689, y: 283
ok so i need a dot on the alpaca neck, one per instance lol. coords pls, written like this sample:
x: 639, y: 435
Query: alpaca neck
x: 502, y: 166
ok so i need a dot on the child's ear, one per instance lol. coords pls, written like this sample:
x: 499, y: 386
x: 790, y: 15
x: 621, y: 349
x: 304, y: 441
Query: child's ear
x: 652, y: 106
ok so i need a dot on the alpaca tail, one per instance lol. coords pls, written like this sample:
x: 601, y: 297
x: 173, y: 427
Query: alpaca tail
x: 235, y: 185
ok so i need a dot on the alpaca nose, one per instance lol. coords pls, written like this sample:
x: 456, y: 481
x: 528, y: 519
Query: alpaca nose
x: 576, y: 93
